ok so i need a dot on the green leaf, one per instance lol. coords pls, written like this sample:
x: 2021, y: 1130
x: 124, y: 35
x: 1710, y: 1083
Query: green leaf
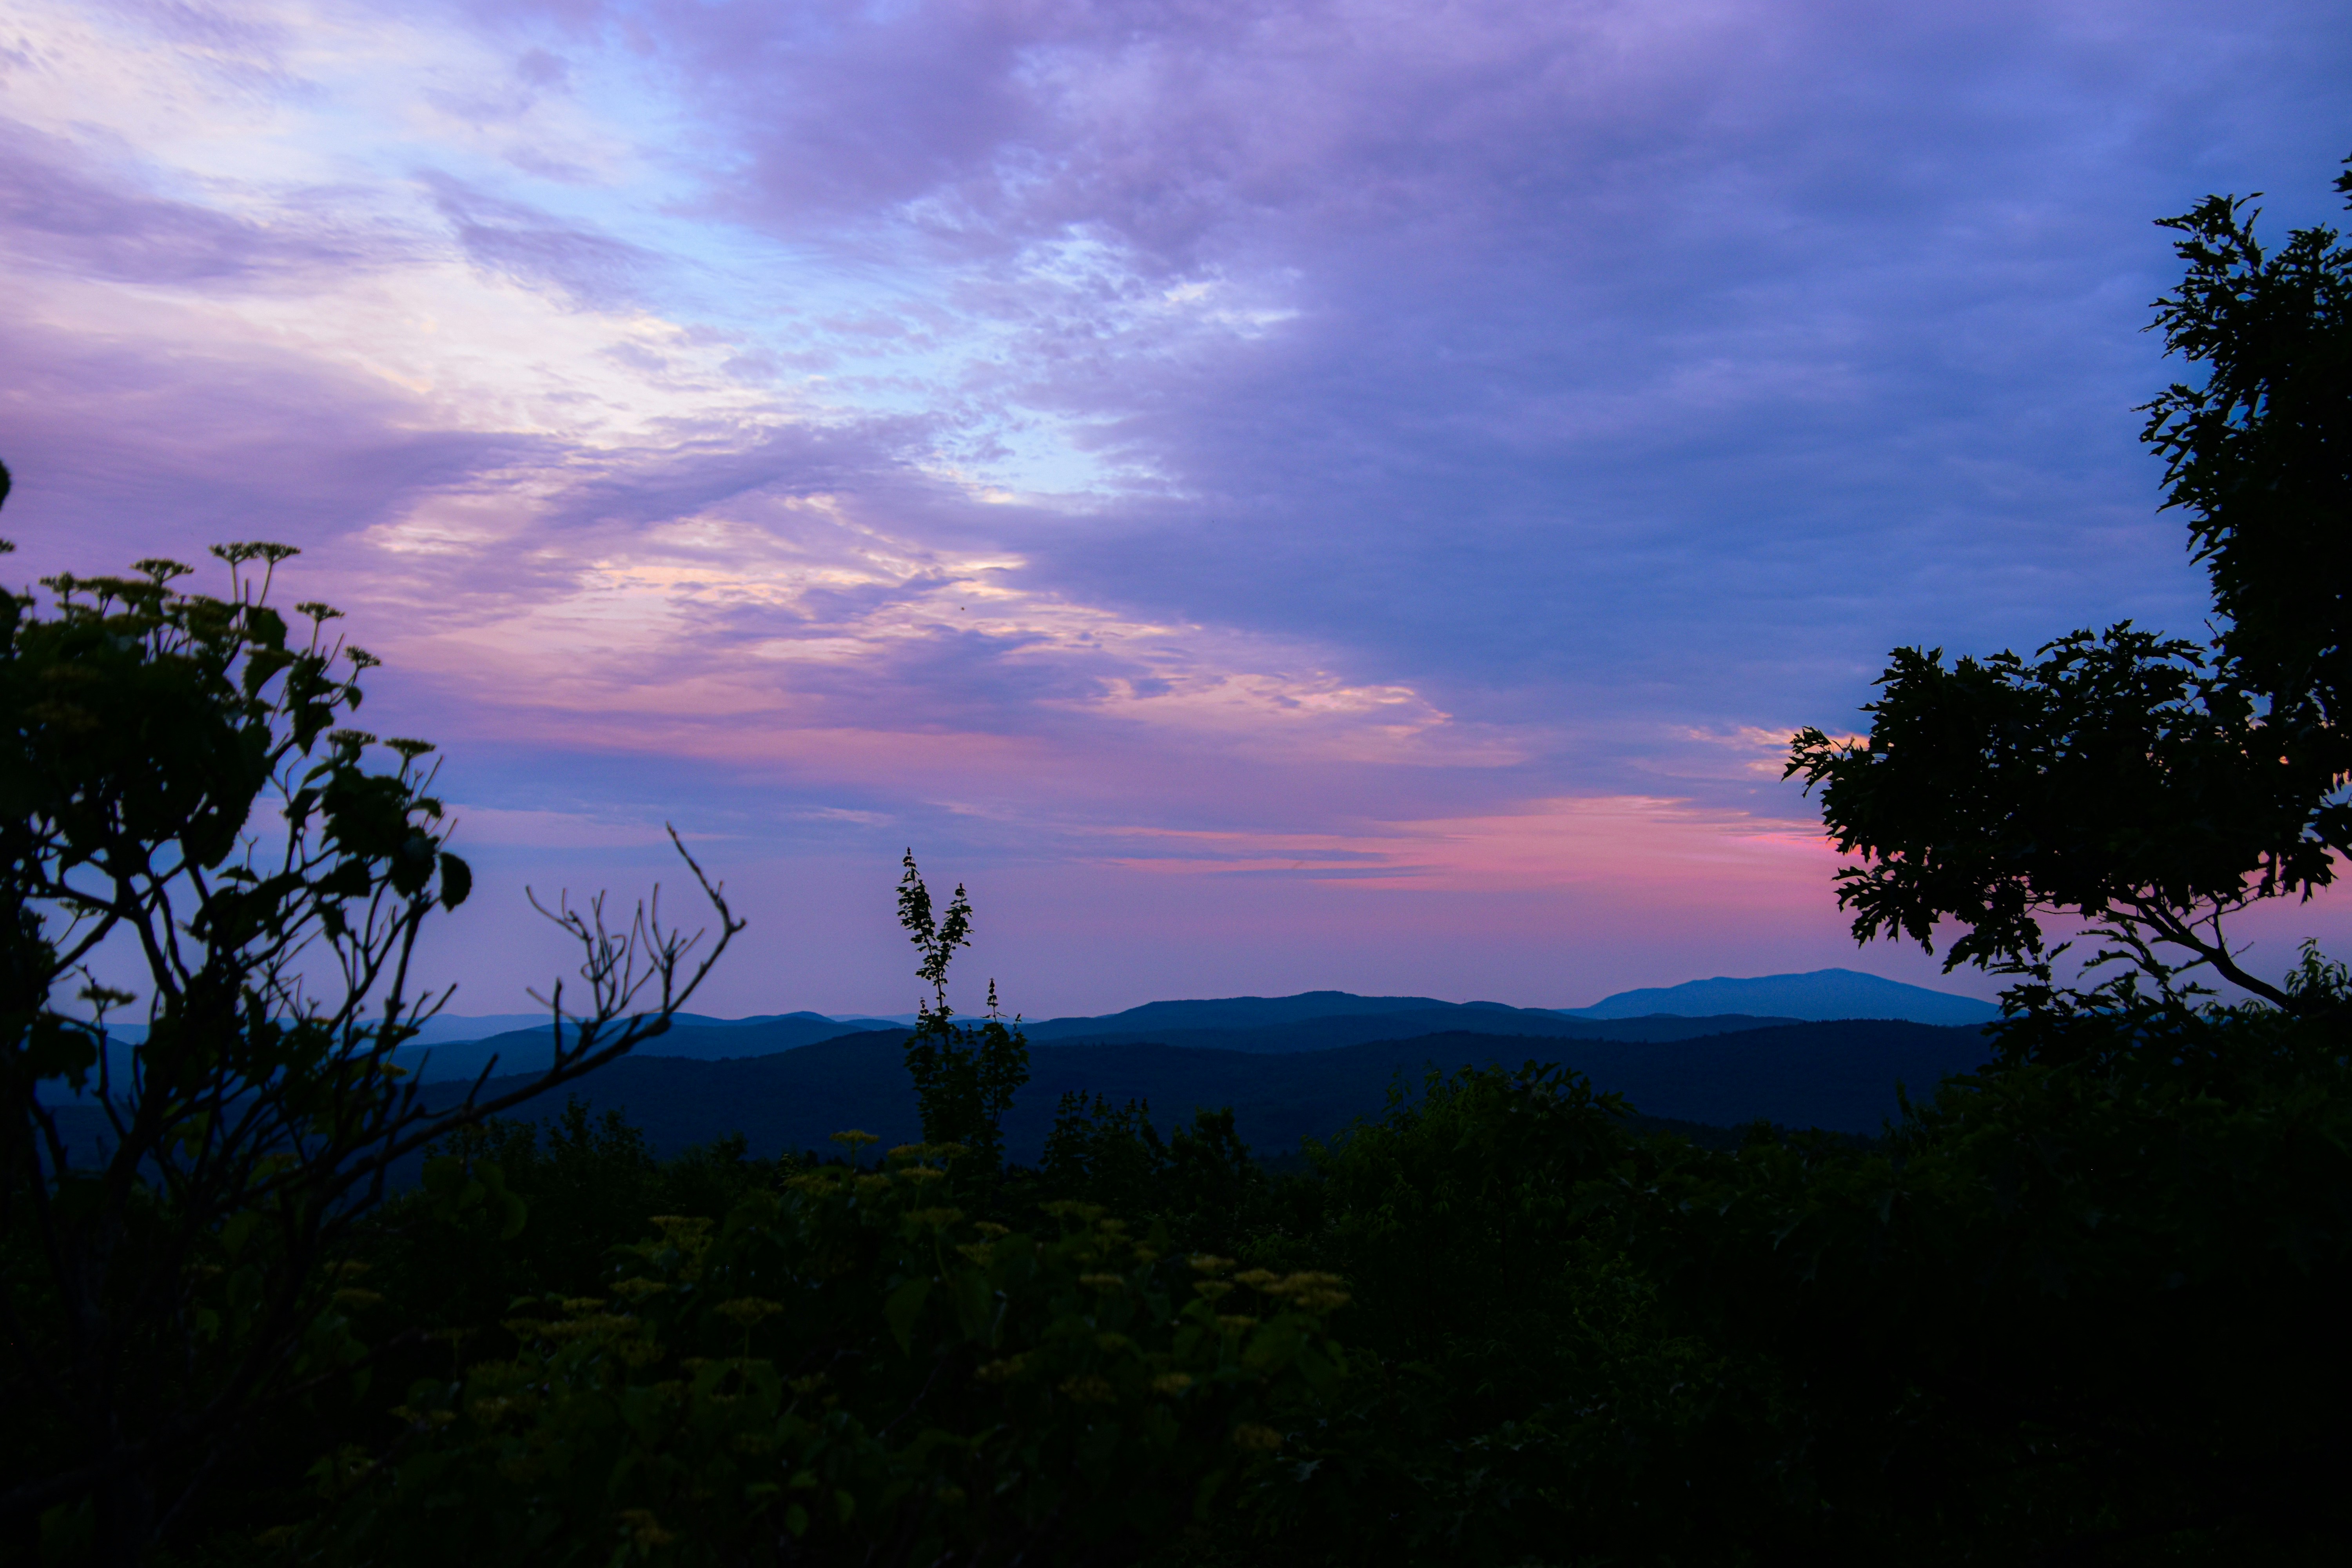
x: 902, y: 1308
x: 456, y: 881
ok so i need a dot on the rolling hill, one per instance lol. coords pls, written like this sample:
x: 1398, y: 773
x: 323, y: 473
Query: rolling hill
x: 697, y: 1038
x: 1840, y: 1076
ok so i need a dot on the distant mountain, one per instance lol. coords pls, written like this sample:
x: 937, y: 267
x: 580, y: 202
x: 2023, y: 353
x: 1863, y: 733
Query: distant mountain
x: 441, y: 1030
x: 1331, y: 1032
x: 445, y: 1028
x: 1823, y: 993
x: 689, y: 1036
x: 1153, y: 1019
x: 1840, y: 1076
x: 525, y: 1050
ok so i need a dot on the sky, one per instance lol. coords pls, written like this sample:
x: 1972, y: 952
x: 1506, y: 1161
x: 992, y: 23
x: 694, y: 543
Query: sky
x: 1269, y: 496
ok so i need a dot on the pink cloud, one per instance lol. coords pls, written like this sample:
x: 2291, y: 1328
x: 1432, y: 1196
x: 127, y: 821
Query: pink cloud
x: 1345, y: 486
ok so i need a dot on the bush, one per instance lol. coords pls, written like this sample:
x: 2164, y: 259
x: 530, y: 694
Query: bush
x: 849, y: 1368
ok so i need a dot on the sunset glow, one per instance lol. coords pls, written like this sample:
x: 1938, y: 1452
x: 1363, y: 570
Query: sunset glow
x: 1348, y: 491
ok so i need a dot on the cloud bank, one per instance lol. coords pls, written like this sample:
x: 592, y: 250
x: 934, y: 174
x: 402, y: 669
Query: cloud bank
x: 1334, y: 489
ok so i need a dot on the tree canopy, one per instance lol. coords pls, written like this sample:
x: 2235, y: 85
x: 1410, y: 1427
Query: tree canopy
x: 2153, y: 785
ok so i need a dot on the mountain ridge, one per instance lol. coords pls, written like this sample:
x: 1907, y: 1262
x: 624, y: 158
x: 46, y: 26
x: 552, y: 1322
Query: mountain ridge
x: 1815, y: 996
x: 1838, y: 1074
x: 525, y: 1050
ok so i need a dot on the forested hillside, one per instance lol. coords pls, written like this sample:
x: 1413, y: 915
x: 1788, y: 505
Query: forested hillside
x: 1841, y: 1077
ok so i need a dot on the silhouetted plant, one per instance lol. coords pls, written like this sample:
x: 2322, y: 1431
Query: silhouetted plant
x: 965, y: 1077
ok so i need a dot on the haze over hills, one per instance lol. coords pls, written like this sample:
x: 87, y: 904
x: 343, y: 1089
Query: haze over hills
x: 689, y: 1036
x: 1819, y: 995
x: 1291, y: 1066
x: 441, y: 1029
x: 1309, y: 1021
x: 1242, y: 1013
x: 1301, y: 1029
x: 1323, y: 1033
x: 1822, y: 994
x: 444, y: 1029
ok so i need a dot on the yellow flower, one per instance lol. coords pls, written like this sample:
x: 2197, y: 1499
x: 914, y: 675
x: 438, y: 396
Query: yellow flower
x: 989, y: 1228
x: 855, y: 1139
x: 1256, y: 1439
x: 1207, y: 1264
x: 1104, y: 1282
x: 745, y: 1311
x: 1004, y: 1371
x: 1258, y: 1279
x: 1171, y: 1383
x: 638, y: 1290
x: 1089, y: 1390
x: 357, y: 1298
x: 1211, y: 1290
x: 1236, y: 1322
x: 643, y: 1528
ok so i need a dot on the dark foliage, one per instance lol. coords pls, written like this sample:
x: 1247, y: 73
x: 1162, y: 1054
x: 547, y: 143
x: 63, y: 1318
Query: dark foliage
x: 964, y: 1077
x: 179, y: 1278
x: 2260, y: 455
x: 2150, y: 786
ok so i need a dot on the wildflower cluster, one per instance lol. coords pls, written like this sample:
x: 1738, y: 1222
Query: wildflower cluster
x: 846, y: 1362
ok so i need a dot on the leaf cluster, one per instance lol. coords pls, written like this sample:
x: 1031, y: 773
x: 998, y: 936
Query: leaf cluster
x: 2259, y: 454
x: 2152, y: 786
x: 2118, y: 774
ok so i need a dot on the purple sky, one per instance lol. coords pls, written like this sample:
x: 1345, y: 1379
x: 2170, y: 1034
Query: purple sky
x: 1272, y: 496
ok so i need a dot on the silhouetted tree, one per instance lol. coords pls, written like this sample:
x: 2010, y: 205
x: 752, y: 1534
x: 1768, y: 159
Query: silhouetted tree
x: 2155, y: 787
x: 177, y: 799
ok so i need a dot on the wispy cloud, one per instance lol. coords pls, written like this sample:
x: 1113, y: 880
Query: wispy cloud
x: 1234, y: 433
